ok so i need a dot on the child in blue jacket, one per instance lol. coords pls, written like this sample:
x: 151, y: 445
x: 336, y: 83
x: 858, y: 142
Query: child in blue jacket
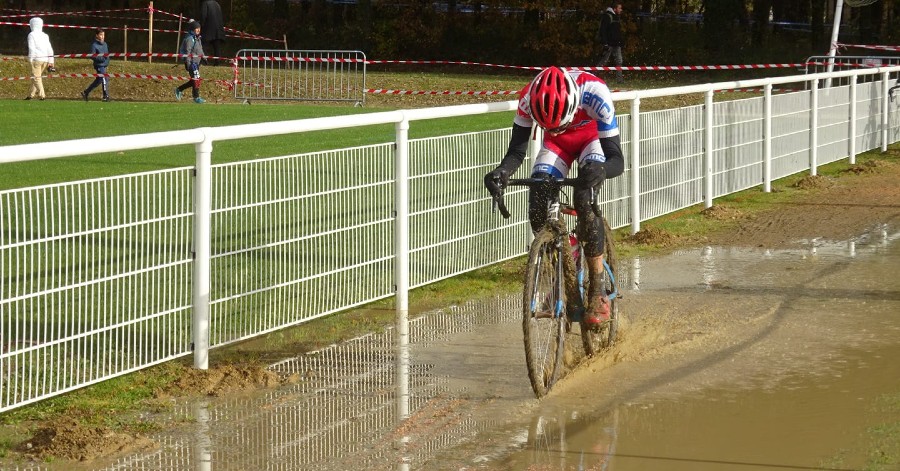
x: 192, y: 54
x: 100, y: 53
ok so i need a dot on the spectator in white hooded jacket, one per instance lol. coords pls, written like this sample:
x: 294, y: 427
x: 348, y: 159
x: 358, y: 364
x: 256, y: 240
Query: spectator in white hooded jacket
x: 40, y: 54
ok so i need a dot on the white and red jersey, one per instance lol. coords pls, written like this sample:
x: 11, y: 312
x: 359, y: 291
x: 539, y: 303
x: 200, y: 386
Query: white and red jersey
x: 596, y: 111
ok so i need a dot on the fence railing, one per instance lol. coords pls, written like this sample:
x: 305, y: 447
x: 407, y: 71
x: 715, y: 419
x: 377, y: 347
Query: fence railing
x: 300, y: 75
x: 106, y: 276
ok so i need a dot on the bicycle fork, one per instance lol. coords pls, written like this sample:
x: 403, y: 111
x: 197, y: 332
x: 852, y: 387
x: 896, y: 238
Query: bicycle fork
x: 613, y: 284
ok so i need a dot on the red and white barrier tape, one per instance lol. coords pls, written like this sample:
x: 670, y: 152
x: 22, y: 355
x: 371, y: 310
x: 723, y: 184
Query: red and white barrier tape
x: 440, y: 62
x: 98, y: 14
x: 349, y: 60
x: 230, y: 84
x: 870, y: 46
x: 107, y: 28
x: 237, y: 34
x: 383, y: 91
x: 29, y: 14
x: 135, y: 76
x: 141, y: 54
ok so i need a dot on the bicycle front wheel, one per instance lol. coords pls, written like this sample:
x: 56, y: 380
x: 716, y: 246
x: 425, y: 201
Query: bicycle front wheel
x: 596, y: 339
x: 543, y: 308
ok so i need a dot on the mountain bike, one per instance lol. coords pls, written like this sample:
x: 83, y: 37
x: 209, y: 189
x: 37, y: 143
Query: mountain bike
x: 555, y: 284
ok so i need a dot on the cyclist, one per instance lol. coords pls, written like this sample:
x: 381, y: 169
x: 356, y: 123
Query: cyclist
x: 576, y: 111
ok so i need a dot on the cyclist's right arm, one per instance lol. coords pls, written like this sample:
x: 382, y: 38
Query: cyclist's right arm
x: 495, y: 181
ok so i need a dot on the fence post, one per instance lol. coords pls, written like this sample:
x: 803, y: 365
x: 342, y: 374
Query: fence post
x: 708, y: 151
x: 635, y: 165
x: 150, y: 37
x: 853, y: 97
x: 885, y: 106
x: 202, y: 252
x: 813, y: 127
x: 767, y: 138
x: 125, y: 43
x: 178, y: 39
x: 401, y: 263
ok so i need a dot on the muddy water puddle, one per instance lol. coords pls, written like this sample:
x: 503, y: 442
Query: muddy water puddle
x: 728, y: 359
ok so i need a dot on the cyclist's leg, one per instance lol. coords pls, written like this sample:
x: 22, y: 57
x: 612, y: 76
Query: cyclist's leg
x: 592, y: 164
x: 595, y: 161
x: 550, y: 161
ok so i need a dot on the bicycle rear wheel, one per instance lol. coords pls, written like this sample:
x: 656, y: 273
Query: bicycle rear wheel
x: 596, y: 339
x: 543, y: 308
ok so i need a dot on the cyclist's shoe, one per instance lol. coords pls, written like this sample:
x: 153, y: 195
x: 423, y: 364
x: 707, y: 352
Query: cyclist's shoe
x: 598, y: 311
x: 199, y: 101
x: 178, y: 94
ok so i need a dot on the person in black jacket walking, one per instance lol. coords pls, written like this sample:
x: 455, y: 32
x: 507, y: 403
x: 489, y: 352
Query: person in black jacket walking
x: 213, y: 26
x: 100, y: 56
x: 611, y: 38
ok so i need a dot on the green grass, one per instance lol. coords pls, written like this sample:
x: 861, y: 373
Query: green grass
x: 59, y: 120
x: 101, y: 403
x: 884, y: 438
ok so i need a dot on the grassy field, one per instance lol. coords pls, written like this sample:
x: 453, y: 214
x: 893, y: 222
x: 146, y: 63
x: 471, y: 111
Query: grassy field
x: 64, y: 120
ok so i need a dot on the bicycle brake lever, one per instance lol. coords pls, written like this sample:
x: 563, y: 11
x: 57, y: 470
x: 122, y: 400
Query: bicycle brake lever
x: 497, y: 203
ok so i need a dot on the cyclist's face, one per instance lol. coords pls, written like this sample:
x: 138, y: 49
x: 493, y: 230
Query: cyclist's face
x: 558, y: 131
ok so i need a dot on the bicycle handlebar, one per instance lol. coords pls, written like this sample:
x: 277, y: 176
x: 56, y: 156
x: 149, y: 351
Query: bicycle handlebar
x: 553, y: 182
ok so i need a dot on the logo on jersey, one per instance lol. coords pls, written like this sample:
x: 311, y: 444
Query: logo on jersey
x: 599, y: 105
x: 594, y: 157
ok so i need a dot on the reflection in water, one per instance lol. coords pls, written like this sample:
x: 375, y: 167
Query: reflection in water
x: 342, y: 413
x: 549, y: 446
x: 203, y: 443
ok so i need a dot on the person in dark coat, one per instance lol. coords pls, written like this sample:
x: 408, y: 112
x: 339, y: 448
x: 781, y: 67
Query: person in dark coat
x: 611, y: 38
x: 213, y: 26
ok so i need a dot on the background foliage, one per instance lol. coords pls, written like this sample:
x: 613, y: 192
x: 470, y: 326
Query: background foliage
x: 521, y: 32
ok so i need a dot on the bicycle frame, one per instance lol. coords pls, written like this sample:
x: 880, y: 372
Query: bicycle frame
x: 555, y: 210
x: 555, y: 291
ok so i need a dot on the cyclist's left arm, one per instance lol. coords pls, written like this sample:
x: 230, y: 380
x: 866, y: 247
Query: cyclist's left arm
x: 596, y: 101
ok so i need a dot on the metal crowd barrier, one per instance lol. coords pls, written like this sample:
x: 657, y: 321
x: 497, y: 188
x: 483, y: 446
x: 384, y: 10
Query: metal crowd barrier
x: 301, y: 75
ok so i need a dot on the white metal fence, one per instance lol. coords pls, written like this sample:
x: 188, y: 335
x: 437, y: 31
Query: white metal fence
x: 301, y: 75
x: 106, y: 276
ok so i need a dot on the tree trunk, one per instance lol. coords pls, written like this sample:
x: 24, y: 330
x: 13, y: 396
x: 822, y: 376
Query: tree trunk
x: 760, y: 27
x: 817, y: 22
x: 885, y: 30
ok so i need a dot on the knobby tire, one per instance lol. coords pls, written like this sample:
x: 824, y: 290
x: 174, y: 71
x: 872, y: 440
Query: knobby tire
x: 544, y: 331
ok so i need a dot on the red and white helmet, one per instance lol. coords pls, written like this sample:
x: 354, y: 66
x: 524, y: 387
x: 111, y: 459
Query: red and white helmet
x: 553, y: 99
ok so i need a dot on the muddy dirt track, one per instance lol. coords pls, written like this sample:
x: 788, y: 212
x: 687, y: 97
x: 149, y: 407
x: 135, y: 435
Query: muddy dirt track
x: 735, y: 311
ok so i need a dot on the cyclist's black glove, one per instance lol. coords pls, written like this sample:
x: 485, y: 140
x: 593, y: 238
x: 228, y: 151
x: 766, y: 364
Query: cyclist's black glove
x: 496, y: 180
x: 590, y: 178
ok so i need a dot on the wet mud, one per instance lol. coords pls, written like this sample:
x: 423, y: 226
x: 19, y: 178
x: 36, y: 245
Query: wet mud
x: 728, y: 359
